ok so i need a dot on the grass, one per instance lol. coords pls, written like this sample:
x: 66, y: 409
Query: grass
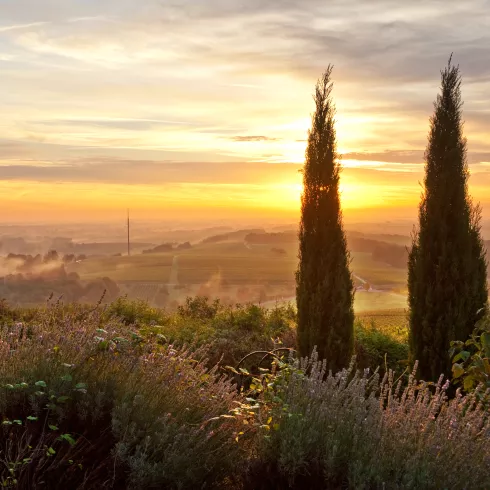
x: 386, y: 300
x: 376, y: 273
x: 236, y: 263
x: 391, y: 322
x: 244, y: 269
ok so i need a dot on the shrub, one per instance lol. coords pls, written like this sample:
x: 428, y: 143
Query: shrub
x: 134, y: 312
x: 471, y: 359
x: 375, y: 348
x: 349, y: 430
x: 84, y: 406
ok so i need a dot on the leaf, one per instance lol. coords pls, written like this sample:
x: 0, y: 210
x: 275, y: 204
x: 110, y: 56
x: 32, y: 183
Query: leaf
x: 6, y: 422
x: 81, y: 386
x: 53, y: 427
x: 9, y: 387
x: 463, y: 355
x: 244, y: 371
x: 68, y: 438
x: 469, y: 382
x: 485, y: 341
x: 32, y: 418
x: 41, y: 384
x: 50, y: 452
x: 67, y: 377
x: 63, y: 399
x: 458, y: 370
x: 232, y: 369
x: 103, y: 345
x: 18, y: 422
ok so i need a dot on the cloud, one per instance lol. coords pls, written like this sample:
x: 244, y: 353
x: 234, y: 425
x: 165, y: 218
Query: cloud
x: 120, y: 91
x: 145, y: 172
x: 241, y: 139
x: 17, y: 27
x: 407, y: 156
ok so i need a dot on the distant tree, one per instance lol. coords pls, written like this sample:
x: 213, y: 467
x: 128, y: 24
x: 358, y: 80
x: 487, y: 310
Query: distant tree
x: 51, y: 256
x: 184, y: 246
x: 447, y: 266
x: 324, y: 286
x: 68, y: 258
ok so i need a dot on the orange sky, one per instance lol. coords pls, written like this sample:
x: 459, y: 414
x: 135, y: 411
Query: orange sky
x: 201, y: 110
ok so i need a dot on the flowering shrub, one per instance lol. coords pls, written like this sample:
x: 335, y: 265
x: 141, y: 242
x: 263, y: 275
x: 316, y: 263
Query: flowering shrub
x: 82, y: 405
x: 351, y: 430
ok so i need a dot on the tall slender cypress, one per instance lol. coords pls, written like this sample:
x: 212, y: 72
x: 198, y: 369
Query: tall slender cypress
x: 447, y: 270
x: 324, y: 286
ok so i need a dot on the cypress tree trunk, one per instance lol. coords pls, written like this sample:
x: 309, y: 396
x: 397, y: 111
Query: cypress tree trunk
x: 447, y: 270
x: 324, y: 287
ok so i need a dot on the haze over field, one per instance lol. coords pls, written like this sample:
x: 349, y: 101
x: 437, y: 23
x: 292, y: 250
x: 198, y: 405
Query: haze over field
x: 176, y: 110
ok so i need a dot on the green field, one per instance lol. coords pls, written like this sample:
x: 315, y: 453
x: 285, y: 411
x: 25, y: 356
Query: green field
x: 221, y: 269
x: 374, y: 301
x: 377, y: 273
x: 135, y: 268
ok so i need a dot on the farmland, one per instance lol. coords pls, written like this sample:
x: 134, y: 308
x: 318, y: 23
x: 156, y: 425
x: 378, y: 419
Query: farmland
x: 236, y: 270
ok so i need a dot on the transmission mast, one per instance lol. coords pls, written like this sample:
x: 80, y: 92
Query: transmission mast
x: 129, y: 248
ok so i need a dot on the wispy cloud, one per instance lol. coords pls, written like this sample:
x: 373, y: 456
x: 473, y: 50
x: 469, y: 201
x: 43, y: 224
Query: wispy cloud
x: 17, y: 27
x: 244, y: 139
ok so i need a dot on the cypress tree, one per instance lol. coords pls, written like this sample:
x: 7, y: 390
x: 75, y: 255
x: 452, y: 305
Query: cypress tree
x: 447, y: 270
x: 324, y: 287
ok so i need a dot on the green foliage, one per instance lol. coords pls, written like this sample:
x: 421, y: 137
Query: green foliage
x: 200, y: 308
x: 134, y: 312
x: 375, y: 348
x: 471, y: 359
x: 447, y: 265
x: 325, y: 290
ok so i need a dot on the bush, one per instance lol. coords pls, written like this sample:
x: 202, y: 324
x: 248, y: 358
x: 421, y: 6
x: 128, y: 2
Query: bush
x: 134, y: 312
x: 318, y: 430
x: 471, y: 359
x: 84, y: 406
x: 375, y: 348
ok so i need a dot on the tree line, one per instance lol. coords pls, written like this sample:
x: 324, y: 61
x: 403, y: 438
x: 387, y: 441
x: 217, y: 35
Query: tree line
x: 447, y: 269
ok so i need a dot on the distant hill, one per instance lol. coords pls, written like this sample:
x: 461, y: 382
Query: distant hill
x: 239, y: 235
x: 271, y: 238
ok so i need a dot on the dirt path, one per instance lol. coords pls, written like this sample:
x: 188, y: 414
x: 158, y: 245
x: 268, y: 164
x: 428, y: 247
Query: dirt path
x: 173, y: 280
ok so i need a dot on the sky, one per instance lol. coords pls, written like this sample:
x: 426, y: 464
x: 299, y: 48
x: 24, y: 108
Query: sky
x: 199, y: 109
